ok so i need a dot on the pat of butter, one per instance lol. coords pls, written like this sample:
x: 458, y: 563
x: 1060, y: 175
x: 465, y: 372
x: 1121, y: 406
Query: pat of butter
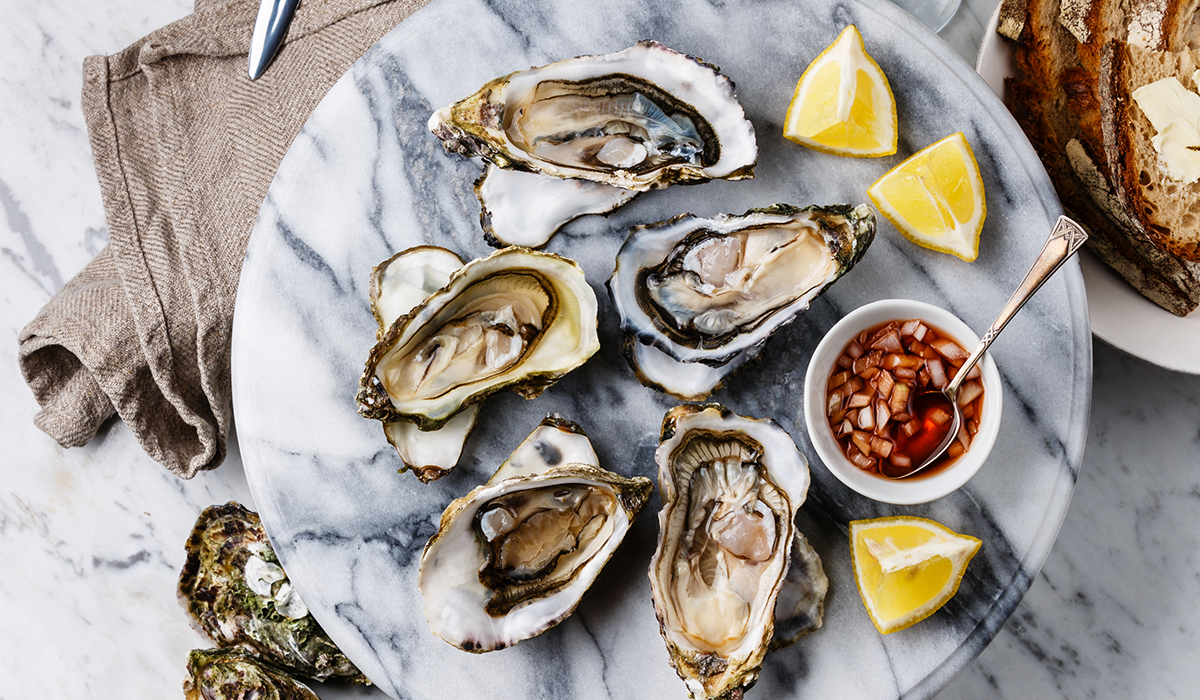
x: 1174, y: 111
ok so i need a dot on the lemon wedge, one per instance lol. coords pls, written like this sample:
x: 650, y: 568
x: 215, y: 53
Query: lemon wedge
x: 935, y: 198
x: 843, y: 103
x: 907, y: 567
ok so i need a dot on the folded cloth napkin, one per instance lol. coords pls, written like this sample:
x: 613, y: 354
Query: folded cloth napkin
x: 185, y: 145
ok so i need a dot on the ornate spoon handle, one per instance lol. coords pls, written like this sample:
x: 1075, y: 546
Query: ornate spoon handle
x: 1065, y: 239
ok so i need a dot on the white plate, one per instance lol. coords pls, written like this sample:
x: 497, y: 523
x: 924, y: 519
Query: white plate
x: 1120, y: 315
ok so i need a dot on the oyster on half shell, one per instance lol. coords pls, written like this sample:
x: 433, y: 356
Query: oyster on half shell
x: 397, y: 285
x: 699, y: 297
x: 516, y: 320
x: 639, y: 119
x: 730, y: 488
x: 513, y: 557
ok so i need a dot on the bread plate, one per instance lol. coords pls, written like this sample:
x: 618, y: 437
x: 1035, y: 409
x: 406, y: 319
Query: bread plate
x: 1120, y: 316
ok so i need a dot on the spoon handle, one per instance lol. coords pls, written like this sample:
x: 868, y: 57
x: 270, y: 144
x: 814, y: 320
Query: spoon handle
x: 1065, y: 239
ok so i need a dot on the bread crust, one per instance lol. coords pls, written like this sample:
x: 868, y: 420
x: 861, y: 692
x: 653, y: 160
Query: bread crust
x: 1057, y: 100
x: 1136, y: 165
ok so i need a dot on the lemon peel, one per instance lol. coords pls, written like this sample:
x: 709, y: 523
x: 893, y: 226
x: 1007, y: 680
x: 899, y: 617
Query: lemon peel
x: 843, y: 103
x: 906, y: 567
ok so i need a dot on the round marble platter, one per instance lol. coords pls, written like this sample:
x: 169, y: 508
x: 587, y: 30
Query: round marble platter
x: 365, y: 178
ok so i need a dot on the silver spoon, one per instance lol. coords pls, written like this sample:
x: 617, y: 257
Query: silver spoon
x: 1065, y: 239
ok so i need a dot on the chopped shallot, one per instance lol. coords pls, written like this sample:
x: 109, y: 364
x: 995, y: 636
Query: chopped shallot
x: 871, y: 388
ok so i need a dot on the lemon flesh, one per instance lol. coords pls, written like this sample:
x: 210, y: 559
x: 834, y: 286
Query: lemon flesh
x: 936, y: 198
x: 843, y: 103
x: 907, y: 568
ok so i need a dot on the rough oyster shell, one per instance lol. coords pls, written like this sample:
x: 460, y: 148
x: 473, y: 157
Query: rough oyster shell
x: 517, y: 319
x: 643, y: 118
x: 233, y: 674
x: 237, y: 594
x: 711, y: 291
x: 730, y: 488
x: 513, y: 557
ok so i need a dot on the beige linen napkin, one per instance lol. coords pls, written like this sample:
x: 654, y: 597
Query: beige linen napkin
x: 185, y: 145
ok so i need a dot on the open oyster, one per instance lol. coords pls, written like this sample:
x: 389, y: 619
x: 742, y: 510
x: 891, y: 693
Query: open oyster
x: 513, y: 557
x: 397, y: 285
x: 730, y: 488
x: 237, y: 594
x: 233, y: 674
x: 517, y: 319
x: 707, y: 293
x: 639, y: 119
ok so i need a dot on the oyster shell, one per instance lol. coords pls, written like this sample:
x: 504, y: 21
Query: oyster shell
x: 517, y: 319
x: 398, y: 285
x: 233, y: 674
x: 520, y: 208
x: 730, y: 488
x: 237, y: 594
x: 712, y: 291
x: 639, y: 119
x: 643, y: 118
x: 800, y: 606
x: 513, y: 557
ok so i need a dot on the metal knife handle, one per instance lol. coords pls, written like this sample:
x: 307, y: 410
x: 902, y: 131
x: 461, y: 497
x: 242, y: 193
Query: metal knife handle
x: 270, y: 27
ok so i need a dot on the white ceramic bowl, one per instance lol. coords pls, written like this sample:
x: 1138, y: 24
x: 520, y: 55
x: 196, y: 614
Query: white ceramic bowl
x: 918, y: 489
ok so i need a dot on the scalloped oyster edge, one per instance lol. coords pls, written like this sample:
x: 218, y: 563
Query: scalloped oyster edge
x: 535, y: 313
x: 704, y: 290
x: 682, y: 123
x: 223, y: 605
x: 730, y: 488
x: 471, y: 598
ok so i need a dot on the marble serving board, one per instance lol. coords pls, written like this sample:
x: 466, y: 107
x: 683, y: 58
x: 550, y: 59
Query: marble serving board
x: 365, y: 179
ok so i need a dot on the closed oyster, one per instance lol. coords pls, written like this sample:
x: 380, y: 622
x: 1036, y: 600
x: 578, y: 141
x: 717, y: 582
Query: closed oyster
x: 513, y: 557
x: 639, y: 119
x: 711, y: 291
x: 730, y: 488
x: 516, y: 320
x: 397, y: 285
x: 233, y: 674
x: 237, y: 594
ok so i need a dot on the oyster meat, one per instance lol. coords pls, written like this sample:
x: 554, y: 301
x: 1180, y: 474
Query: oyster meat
x: 513, y: 557
x: 639, y: 119
x: 238, y: 595
x: 516, y: 320
x: 398, y: 285
x: 234, y: 674
x: 699, y: 297
x: 730, y: 488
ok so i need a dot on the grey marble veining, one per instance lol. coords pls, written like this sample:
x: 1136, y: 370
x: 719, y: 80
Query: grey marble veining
x: 91, y: 539
x: 365, y: 179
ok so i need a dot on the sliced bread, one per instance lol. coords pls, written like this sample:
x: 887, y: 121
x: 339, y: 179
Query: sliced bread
x: 1052, y: 96
x: 1166, y: 210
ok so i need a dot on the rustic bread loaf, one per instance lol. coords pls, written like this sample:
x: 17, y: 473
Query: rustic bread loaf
x: 1056, y: 101
x: 1166, y: 210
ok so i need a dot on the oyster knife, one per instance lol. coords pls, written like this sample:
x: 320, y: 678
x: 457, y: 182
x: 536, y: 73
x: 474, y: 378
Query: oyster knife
x: 270, y: 27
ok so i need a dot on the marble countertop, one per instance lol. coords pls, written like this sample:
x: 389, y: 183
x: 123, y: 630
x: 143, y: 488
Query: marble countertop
x: 91, y: 539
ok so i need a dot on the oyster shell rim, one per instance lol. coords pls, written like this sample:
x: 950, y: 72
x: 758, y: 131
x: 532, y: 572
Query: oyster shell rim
x: 470, y: 138
x: 637, y: 322
x: 373, y: 400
